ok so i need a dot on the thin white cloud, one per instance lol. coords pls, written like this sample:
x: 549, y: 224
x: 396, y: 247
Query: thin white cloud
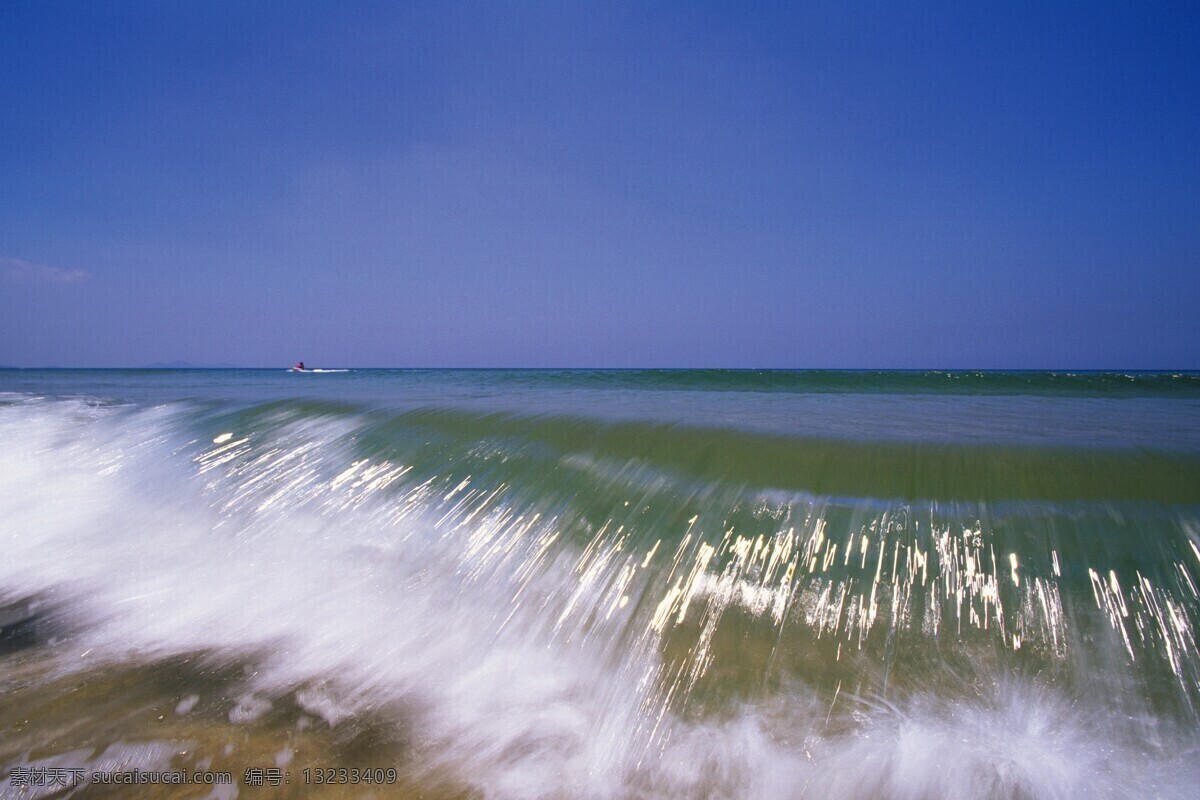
x: 15, y: 269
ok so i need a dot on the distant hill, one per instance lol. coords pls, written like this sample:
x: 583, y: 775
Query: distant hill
x: 187, y: 365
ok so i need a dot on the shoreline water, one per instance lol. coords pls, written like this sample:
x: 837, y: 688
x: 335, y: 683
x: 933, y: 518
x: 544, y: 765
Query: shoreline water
x: 523, y: 585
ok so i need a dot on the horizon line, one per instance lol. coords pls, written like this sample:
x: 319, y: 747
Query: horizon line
x: 202, y: 368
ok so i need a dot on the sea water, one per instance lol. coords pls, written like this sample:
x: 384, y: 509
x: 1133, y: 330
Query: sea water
x: 604, y: 584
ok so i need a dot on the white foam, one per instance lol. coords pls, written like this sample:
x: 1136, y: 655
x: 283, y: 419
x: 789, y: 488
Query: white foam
x: 186, y: 705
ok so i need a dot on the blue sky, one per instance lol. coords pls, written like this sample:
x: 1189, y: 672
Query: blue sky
x: 603, y: 184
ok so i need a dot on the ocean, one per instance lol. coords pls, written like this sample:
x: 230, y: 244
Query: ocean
x: 600, y: 584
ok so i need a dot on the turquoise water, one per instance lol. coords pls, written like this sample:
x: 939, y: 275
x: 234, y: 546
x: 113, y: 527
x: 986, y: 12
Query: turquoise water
x: 639, y: 583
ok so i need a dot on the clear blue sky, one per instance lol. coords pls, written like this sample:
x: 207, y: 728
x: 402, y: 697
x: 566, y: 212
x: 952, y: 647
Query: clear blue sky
x: 606, y: 184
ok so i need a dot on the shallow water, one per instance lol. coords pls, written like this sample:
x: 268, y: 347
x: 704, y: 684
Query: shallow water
x: 605, y: 584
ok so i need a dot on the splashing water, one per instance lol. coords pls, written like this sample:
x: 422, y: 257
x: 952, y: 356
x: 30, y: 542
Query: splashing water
x: 539, y: 605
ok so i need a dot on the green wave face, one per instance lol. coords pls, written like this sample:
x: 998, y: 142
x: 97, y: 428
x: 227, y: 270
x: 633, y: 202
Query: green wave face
x: 836, y: 468
x: 748, y: 561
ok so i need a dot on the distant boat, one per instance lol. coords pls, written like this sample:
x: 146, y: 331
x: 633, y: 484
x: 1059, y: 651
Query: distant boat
x: 301, y: 368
